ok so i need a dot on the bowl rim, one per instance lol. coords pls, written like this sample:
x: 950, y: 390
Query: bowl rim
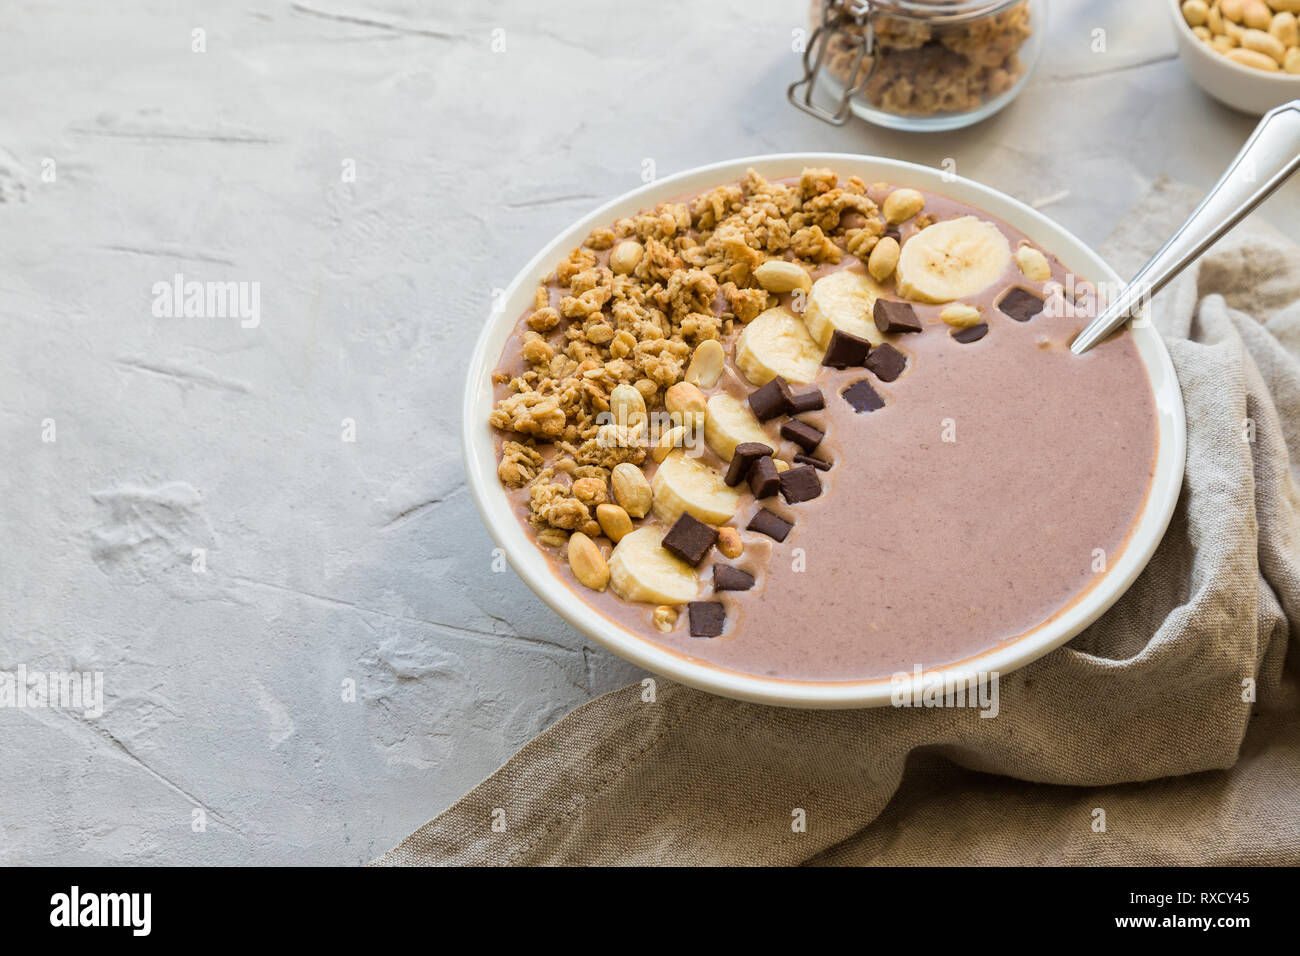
x: 1280, y: 78
x: 529, y: 562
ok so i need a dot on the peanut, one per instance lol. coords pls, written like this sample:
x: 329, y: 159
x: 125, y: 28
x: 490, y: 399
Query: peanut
x: 730, y: 544
x: 686, y: 403
x: 1292, y: 61
x: 614, y: 521
x: 901, y: 205
x: 1257, y: 14
x: 706, y: 364
x: 1223, y: 44
x: 959, y: 315
x: 883, y: 259
x: 1251, y: 58
x: 781, y: 465
x: 1265, y: 43
x: 674, y: 437
x: 1285, y: 29
x: 627, y: 405
x: 665, y: 617
x: 1033, y: 264
x: 1203, y: 34
x: 1232, y: 9
x: 587, y: 563
x: 625, y: 256
x: 631, y: 489
x: 1214, y: 20
x: 777, y: 275
x: 1195, y: 12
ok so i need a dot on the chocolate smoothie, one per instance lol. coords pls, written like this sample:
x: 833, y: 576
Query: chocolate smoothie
x: 966, y: 479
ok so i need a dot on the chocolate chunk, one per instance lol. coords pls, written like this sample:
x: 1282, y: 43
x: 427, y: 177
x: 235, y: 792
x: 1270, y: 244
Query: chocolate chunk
x: 707, y: 618
x: 802, y: 434
x: 764, y: 479
x: 818, y: 463
x: 845, y: 350
x: 800, y: 484
x: 971, y: 334
x: 769, y: 523
x: 690, y: 539
x: 727, y: 578
x: 895, y: 316
x: 808, y: 401
x: 1020, y: 304
x: 771, y: 400
x: 863, y: 397
x: 887, y: 362
x: 746, y: 453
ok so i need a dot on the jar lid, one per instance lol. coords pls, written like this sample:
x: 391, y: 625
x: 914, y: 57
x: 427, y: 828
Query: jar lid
x: 934, y: 11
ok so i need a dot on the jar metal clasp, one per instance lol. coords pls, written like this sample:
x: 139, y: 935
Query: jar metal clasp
x: 837, y: 15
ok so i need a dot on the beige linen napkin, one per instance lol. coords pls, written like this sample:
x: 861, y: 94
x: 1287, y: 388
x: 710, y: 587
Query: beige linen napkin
x: 1141, y: 717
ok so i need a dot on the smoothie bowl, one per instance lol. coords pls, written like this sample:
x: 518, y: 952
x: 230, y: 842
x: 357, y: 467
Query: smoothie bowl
x: 805, y: 430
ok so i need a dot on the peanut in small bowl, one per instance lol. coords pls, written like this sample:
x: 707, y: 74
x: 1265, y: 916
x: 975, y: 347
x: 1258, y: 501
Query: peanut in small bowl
x: 1244, y: 53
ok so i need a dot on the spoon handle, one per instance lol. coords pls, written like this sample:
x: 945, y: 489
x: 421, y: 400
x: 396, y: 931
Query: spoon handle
x: 1270, y: 156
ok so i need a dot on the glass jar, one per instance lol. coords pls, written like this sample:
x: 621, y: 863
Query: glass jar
x: 919, y: 64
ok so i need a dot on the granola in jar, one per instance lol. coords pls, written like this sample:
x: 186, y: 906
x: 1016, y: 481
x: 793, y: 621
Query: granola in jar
x: 932, y: 65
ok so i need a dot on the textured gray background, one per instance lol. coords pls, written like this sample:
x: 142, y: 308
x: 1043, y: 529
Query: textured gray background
x: 366, y: 561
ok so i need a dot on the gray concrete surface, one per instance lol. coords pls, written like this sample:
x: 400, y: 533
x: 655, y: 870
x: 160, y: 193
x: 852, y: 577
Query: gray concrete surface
x: 476, y: 131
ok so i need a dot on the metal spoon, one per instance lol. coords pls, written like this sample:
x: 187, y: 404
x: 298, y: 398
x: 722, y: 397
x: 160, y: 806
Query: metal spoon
x: 1269, y: 157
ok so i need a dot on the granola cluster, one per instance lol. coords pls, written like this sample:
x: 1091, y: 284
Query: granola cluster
x: 629, y: 307
x: 921, y: 69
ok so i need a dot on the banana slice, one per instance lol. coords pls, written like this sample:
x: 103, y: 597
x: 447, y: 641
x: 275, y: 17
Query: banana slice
x: 951, y: 260
x: 684, y: 484
x: 729, y: 423
x: 641, y: 570
x: 842, y: 300
x: 777, y: 343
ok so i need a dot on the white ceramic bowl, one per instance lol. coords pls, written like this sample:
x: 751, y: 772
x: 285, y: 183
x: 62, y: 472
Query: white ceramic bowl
x: 527, y: 559
x: 1241, y: 87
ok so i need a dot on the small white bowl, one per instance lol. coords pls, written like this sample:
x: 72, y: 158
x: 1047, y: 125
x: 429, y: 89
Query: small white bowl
x: 527, y: 559
x: 1241, y: 87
